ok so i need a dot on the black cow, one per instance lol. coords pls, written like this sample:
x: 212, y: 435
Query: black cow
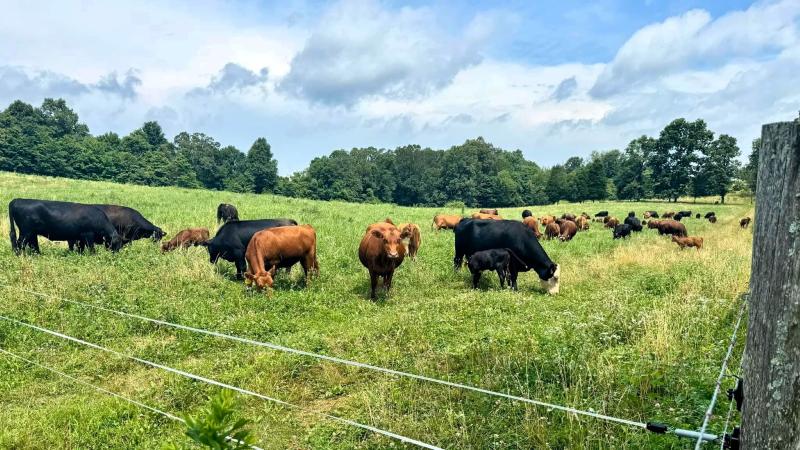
x: 622, y: 230
x: 632, y: 214
x: 130, y: 225
x: 59, y: 221
x: 495, y: 259
x: 634, y: 223
x: 231, y: 240
x: 526, y: 213
x: 474, y: 235
x: 602, y: 214
x: 226, y: 213
x: 709, y: 214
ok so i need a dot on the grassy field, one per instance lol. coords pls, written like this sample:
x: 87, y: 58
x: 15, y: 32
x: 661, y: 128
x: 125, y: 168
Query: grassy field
x: 638, y: 331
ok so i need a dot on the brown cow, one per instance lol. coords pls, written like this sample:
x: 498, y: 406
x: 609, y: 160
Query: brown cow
x: 744, y: 223
x: 492, y: 212
x: 277, y: 247
x: 568, y: 216
x: 586, y: 216
x: 684, y: 242
x: 382, y: 251
x: 671, y: 227
x: 546, y: 220
x: 653, y: 224
x: 668, y: 215
x: 186, y: 238
x: 612, y: 222
x: 485, y: 216
x: 414, y: 238
x: 552, y: 230
x: 446, y: 221
x: 568, y: 229
x: 533, y: 224
x: 583, y: 223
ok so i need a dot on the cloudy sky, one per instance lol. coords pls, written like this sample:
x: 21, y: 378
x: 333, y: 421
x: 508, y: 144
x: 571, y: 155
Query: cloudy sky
x: 554, y: 79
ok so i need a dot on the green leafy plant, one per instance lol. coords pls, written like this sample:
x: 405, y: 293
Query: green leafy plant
x: 216, y: 427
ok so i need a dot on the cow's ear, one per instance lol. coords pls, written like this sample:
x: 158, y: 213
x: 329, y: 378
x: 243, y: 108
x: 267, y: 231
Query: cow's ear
x: 377, y: 233
x: 388, y: 220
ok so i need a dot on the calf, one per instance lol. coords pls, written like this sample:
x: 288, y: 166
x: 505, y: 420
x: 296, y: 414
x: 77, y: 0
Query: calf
x: 612, y: 222
x: 186, y: 238
x: 494, y: 259
x: 448, y: 222
x: 492, y: 212
x: 622, y: 231
x: 226, y: 213
x: 634, y: 223
x: 414, y: 238
x: 552, y: 230
x: 691, y: 241
x: 567, y: 230
x: 672, y: 227
x: 381, y: 251
x: 547, y: 220
x: 533, y: 224
x: 278, y: 247
x: 583, y: 223
x: 744, y: 223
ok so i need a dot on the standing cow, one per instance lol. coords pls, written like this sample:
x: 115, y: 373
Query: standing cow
x: 280, y: 247
x: 446, y: 221
x: 130, y: 224
x: 381, y: 251
x: 232, y: 239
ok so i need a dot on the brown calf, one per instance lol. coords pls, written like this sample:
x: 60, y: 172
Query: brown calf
x: 552, y: 230
x: 382, y: 251
x: 186, y: 238
x: 690, y: 241
x: 277, y: 247
x: 414, y: 238
x: 583, y: 223
x: 547, y: 220
x: 567, y: 229
x: 611, y: 222
x: 446, y: 221
x: 485, y: 216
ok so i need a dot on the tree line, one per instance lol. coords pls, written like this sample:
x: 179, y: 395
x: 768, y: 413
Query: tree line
x: 686, y: 159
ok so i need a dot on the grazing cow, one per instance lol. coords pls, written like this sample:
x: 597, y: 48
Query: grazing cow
x: 672, y: 227
x: 187, y: 238
x: 634, y: 223
x: 653, y: 224
x: 649, y: 214
x: 744, y: 223
x: 533, y: 224
x: 622, y: 231
x: 552, y: 230
x: 381, y: 251
x: 668, y: 215
x: 568, y: 216
x: 708, y: 215
x: 280, y: 247
x: 601, y: 214
x: 545, y: 220
x: 683, y: 242
x: 59, y: 221
x: 685, y: 213
x: 129, y: 223
x: 567, y: 230
x: 445, y: 221
x: 494, y: 259
x: 712, y: 219
x: 527, y: 254
x: 612, y: 222
x: 484, y: 216
x: 526, y: 213
x: 583, y: 223
x: 232, y: 239
x: 586, y: 216
x: 414, y: 238
x: 492, y: 212
x: 226, y: 213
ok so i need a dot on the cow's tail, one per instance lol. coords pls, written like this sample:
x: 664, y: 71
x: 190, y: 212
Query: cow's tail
x: 13, y: 232
x: 516, y: 257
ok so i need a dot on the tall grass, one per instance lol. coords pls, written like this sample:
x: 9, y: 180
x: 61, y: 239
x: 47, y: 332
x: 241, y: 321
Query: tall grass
x: 638, y: 331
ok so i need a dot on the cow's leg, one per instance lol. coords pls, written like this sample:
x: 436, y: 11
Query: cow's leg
x: 33, y: 243
x: 512, y: 277
x: 458, y: 260
x: 241, y: 266
x: 88, y: 238
x: 387, y: 281
x: 501, y: 274
x: 373, y: 283
x: 71, y: 245
x: 476, y: 278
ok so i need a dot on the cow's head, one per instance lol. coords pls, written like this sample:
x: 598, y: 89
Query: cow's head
x: 261, y: 280
x: 158, y: 234
x: 550, y: 280
x: 392, y: 242
x: 214, y: 252
x: 114, y: 241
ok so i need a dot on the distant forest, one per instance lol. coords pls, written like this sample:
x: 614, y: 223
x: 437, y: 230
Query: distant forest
x: 686, y: 159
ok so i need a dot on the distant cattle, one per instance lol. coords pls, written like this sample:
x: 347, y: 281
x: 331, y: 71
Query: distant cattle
x: 533, y: 224
x: 672, y: 227
x: 476, y: 235
x: 280, y: 247
x: 414, y: 238
x: 668, y: 215
x: 381, y: 251
x: 744, y: 223
x: 526, y: 213
x: 653, y: 224
x: 494, y: 259
x: 129, y: 223
x: 567, y: 230
x: 226, y: 213
x: 484, y: 216
x: 446, y: 221
x: 685, y: 213
x: 612, y: 222
x: 632, y: 214
x: 552, y: 230
x: 492, y: 212
x: 634, y: 223
x: 583, y: 223
x: 622, y: 231
x: 568, y: 216
x: 709, y: 214
x: 545, y: 220
x: 649, y: 214
x: 187, y: 238
x: 599, y: 219
x: 697, y: 216
x: 684, y: 242
x: 59, y: 221
x: 232, y: 239
x: 712, y: 219
x: 601, y: 214
x: 586, y: 216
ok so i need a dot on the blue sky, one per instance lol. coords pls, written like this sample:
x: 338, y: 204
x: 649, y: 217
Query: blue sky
x: 554, y: 79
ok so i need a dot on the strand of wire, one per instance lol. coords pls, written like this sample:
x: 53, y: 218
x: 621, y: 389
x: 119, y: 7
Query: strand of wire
x: 725, y: 429
x: 722, y: 371
x: 376, y: 430
x: 111, y: 393
x: 357, y: 364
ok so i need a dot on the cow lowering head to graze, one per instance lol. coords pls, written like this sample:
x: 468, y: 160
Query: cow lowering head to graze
x: 232, y: 238
x: 567, y: 230
x: 744, y: 223
x: 568, y: 216
x: 622, y: 230
x: 496, y: 259
x: 381, y: 251
x: 552, y: 230
x: 526, y: 213
x: 649, y: 214
x: 533, y: 224
x: 472, y: 236
x: 446, y: 221
x: 612, y: 222
x: 129, y: 223
x: 634, y: 223
x: 187, y: 238
x: 689, y: 241
x: 712, y: 219
x: 59, y: 221
x: 484, y: 216
x: 226, y: 213
x: 582, y: 223
x: 601, y: 214
x: 491, y: 212
x: 672, y: 227
x: 280, y: 247
x: 414, y: 238
x: 709, y: 214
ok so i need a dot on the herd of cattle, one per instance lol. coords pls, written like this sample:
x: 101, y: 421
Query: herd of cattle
x: 258, y: 248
